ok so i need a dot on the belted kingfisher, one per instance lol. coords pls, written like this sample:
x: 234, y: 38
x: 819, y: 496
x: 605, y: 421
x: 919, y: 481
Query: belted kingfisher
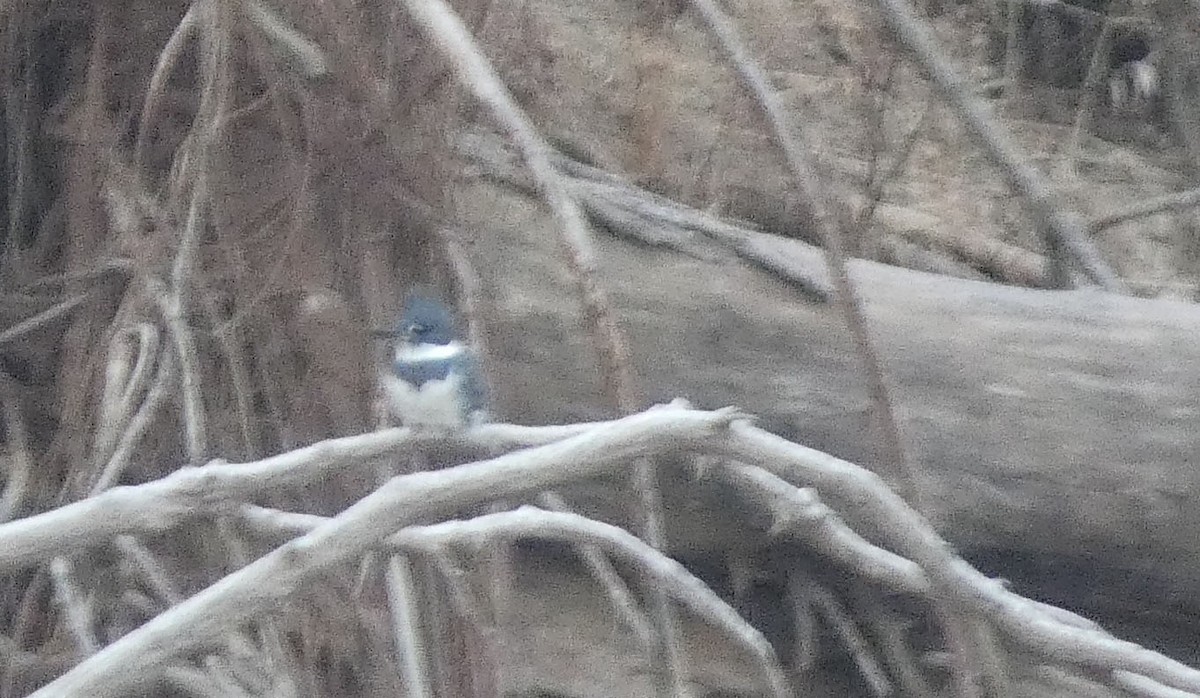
x: 435, y: 379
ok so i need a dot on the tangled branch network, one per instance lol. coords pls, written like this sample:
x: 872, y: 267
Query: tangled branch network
x: 778, y: 475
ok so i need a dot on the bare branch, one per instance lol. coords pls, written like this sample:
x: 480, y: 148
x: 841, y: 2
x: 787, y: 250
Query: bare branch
x: 614, y: 587
x: 75, y: 607
x: 474, y: 71
x: 911, y: 536
x: 139, y: 656
x: 167, y: 60
x: 45, y: 317
x: 189, y: 493
x: 1178, y: 201
x: 667, y: 574
x: 847, y: 630
x: 816, y: 198
x: 410, y: 646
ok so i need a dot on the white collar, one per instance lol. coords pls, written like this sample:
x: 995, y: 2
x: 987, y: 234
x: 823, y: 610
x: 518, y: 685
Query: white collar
x: 409, y: 353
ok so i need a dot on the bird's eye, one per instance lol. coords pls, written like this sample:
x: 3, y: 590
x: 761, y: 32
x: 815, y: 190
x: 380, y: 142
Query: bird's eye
x: 416, y: 328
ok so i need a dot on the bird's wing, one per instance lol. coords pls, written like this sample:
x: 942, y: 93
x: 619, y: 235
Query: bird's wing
x: 474, y: 387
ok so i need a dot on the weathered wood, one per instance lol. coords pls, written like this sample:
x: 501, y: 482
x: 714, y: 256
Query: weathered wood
x: 1056, y: 423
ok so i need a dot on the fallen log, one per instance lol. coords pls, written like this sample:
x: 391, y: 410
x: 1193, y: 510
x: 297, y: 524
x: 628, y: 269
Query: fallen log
x: 1052, y: 424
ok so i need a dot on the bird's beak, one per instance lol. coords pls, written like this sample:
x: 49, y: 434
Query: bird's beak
x: 384, y: 334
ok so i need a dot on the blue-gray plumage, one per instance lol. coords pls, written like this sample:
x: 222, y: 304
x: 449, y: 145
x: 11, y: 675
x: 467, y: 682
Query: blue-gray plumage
x: 435, y: 379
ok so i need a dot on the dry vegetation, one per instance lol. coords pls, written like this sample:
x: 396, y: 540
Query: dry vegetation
x: 209, y: 206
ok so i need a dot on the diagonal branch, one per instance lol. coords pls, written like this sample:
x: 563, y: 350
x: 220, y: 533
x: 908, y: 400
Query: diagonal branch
x: 802, y: 171
x: 476, y: 73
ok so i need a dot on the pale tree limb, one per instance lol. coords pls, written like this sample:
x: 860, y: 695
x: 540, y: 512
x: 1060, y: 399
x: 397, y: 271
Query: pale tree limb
x: 668, y: 575
x: 406, y: 624
x: 189, y: 493
x: 20, y: 462
x: 75, y: 606
x: 911, y: 536
x: 799, y: 515
x: 264, y: 584
x: 1143, y: 687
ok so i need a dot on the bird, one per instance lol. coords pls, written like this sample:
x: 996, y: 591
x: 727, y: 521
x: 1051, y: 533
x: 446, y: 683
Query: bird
x: 435, y: 380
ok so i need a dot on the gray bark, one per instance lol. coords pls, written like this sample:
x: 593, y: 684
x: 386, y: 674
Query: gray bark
x: 1059, y: 424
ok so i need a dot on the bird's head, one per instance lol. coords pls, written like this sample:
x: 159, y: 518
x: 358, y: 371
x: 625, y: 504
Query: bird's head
x: 425, y: 320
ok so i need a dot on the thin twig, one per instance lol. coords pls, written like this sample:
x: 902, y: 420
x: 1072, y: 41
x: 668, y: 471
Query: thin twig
x: 45, y: 317
x: 304, y: 53
x: 475, y: 72
x: 152, y: 571
x: 890, y: 636
x: 1013, y: 58
x: 614, y: 587
x: 75, y: 607
x: 138, y: 424
x: 168, y: 58
x: 176, y: 303
x: 484, y: 653
x: 1178, y: 201
x: 229, y: 339
x: 852, y: 638
x: 124, y: 388
x: 804, y: 625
